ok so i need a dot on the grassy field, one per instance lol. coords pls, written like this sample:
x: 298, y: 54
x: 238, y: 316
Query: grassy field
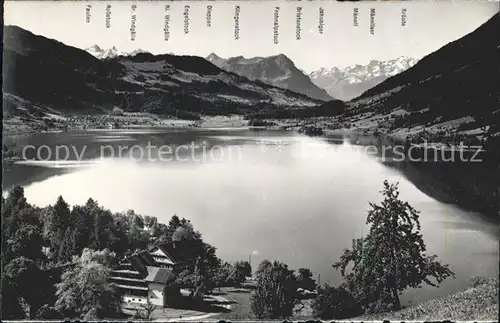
x: 239, y: 301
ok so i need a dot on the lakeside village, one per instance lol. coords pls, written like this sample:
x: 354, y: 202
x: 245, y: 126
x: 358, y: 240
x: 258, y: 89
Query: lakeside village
x: 445, y: 143
x: 86, y: 262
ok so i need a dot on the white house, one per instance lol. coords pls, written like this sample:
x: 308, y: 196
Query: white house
x: 148, y: 274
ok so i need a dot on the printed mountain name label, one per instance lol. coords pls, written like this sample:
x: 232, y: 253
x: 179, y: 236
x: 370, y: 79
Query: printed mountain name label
x: 108, y: 16
x: 297, y: 15
x: 133, y: 21
x: 321, y: 23
x: 298, y: 22
x: 236, y: 22
x: 209, y: 16
x: 276, y: 25
x: 372, y: 21
x: 166, y: 23
x: 88, y: 14
x: 186, y: 19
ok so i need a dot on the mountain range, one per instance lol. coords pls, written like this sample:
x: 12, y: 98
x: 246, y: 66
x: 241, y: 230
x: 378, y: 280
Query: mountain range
x: 280, y: 71
x: 350, y: 82
x: 455, y: 89
x: 277, y: 70
x: 42, y: 75
x: 112, y: 52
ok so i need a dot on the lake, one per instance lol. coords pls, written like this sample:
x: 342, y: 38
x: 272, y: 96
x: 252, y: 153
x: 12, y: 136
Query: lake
x: 260, y: 194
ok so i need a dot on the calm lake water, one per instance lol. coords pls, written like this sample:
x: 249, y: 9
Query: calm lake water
x: 271, y: 195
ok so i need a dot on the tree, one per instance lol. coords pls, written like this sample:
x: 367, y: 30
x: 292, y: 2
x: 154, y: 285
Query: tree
x: 200, y: 279
x: 238, y: 273
x: 26, y: 242
x: 335, y: 303
x: 25, y: 281
x: 82, y: 223
x: 10, y: 300
x: 104, y: 257
x: 391, y: 258
x: 179, y: 229
x: 67, y: 248
x: 221, y: 275
x: 123, y: 240
x: 16, y: 213
x: 85, y: 292
x: 199, y: 273
x: 304, y: 279
x: 244, y: 267
x: 59, y: 223
x: 276, y: 292
x: 150, y: 222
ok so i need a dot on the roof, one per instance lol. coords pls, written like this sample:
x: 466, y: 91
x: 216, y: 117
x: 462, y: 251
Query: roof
x: 140, y: 261
x: 158, y: 275
x: 131, y: 287
x: 127, y: 279
x: 172, y: 251
x: 166, y: 254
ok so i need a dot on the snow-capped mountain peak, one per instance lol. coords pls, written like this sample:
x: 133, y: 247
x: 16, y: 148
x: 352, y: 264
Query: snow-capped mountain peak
x: 94, y: 48
x: 349, y: 82
x: 212, y: 57
x: 112, y: 52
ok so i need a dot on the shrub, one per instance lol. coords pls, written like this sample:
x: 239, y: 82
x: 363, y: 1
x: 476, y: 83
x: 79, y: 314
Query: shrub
x: 276, y: 291
x: 47, y: 312
x: 117, y: 111
x: 478, y: 281
x: 335, y: 303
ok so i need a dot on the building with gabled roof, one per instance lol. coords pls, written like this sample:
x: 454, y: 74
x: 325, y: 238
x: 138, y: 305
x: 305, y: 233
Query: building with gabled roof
x: 147, y: 274
x: 168, y: 255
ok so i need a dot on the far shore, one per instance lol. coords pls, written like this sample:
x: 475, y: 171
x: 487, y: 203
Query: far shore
x: 15, y: 127
x: 145, y: 121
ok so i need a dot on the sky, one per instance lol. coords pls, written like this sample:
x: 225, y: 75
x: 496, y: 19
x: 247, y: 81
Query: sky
x: 429, y: 26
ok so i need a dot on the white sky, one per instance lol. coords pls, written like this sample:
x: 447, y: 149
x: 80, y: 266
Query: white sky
x: 430, y: 25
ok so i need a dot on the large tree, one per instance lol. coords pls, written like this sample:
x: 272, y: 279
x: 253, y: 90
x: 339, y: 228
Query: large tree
x: 67, y: 248
x: 19, y: 220
x: 85, y: 291
x: 391, y: 258
x: 11, y: 308
x: 24, y: 280
x: 26, y: 242
x: 276, y: 292
x: 83, y: 227
x: 60, y: 220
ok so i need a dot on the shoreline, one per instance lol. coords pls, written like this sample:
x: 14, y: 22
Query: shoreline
x: 206, y: 122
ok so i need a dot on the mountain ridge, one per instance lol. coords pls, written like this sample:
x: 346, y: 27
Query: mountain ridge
x: 185, y: 86
x: 277, y: 70
x: 449, y: 94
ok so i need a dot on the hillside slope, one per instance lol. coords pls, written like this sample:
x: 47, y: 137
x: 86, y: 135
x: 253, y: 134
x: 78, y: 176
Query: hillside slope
x: 456, y: 88
x: 477, y: 303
